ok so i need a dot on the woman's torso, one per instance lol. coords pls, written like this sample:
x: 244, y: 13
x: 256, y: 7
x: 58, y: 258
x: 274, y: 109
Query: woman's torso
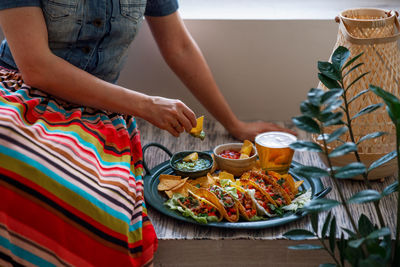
x: 92, y: 35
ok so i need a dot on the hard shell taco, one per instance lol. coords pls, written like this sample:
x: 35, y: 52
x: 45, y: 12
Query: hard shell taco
x: 198, y: 208
x: 247, y: 205
x: 263, y: 200
x: 285, y: 181
x: 270, y: 185
x: 224, y: 201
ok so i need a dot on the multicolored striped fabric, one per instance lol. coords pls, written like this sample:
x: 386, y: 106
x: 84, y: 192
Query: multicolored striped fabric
x: 71, y: 190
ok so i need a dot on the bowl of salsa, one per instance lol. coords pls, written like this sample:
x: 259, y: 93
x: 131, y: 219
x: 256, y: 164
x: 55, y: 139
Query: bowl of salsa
x: 228, y: 158
x: 191, y: 164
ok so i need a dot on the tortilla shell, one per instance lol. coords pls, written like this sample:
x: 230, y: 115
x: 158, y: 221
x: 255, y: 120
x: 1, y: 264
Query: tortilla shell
x: 246, y: 182
x: 216, y: 201
x: 208, y: 202
x: 242, y: 209
x: 169, y: 184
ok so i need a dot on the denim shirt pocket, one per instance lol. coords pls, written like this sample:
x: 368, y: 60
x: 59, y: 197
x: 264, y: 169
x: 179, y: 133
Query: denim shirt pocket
x: 132, y: 9
x: 62, y: 20
x: 58, y: 9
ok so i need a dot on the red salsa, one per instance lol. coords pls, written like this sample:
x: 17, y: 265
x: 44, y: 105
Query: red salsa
x: 230, y: 154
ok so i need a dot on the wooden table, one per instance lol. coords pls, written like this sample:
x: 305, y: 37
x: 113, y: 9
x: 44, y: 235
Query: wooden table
x: 185, y: 244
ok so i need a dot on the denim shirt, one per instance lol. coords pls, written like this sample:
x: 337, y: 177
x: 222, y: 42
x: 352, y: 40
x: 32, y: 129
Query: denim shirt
x: 93, y: 35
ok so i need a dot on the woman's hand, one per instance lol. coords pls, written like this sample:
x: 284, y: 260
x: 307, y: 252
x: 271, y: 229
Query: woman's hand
x: 248, y: 130
x: 169, y: 114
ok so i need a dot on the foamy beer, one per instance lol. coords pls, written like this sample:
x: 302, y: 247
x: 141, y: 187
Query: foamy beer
x: 274, y: 151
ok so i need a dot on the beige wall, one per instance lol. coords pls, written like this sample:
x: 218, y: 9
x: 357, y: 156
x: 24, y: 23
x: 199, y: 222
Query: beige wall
x: 263, y: 67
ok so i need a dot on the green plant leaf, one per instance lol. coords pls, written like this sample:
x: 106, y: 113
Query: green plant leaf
x: 377, y: 250
x: 314, y: 96
x: 309, y: 109
x: 326, y: 224
x: 358, y: 95
x: 307, y: 124
x: 321, y: 204
x: 343, y: 149
x: 367, y: 110
x: 298, y: 234
x: 327, y: 265
x: 329, y: 70
x: 394, y: 187
x: 371, y: 136
x: 328, y: 82
x: 392, y: 102
x: 336, y: 134
x: 386, y: 96
x: 305, y: 247
x: 386, y: 158
x: 356, y: 80
x: 330, y: 118
x: 332, y: 234
x: 334, y: 105
x: 339, y: 57
x: 314, y: 222
x: 350, y: 170
x: 365, y: 226
x: 352, y: 60
x: 350, y: 232
x: 310, y: 171
x: 352, y: 69
x: 341, y: 246
x: 356, y: 243
x: 331, y: 96
x: 378, y: 233
x: 371, y: 262
x: 305, y: 146
x: 365, y: 196
x: 353, y: 255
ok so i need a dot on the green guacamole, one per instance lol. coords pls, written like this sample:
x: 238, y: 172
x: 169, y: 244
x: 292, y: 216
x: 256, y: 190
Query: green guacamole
x: 197, y: 165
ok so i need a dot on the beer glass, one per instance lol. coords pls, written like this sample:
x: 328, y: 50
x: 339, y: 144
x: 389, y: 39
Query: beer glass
x: 274, y: 152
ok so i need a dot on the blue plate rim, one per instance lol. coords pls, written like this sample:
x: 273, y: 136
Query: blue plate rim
x: 156, y: 200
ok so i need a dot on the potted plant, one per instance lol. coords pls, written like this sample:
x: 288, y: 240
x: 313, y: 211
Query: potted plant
x: 369, y: 242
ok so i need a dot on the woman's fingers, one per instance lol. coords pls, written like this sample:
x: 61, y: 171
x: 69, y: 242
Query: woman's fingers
x: 189, y: 114
x: 172, y: 130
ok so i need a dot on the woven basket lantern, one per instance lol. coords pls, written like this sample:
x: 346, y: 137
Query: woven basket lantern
x: 374, y: 32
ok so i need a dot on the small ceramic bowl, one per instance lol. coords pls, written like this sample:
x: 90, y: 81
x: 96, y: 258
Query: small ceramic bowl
x: 191, y: 174
x: 235, y: 166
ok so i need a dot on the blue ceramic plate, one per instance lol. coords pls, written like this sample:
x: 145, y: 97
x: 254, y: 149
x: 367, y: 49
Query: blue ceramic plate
x: 156, y: 199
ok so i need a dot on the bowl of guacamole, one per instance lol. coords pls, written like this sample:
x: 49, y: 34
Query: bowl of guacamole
x: 191, y: 164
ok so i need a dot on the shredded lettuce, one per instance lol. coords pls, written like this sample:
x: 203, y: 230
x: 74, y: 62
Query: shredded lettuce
x: 173, y: 204
x: 260, y: 210
x: 225, y: 182
x: 299, y: 201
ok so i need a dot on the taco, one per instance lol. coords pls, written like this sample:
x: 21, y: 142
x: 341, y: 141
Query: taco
x: 247, y: 204
x: 285, y: 181
x: 223, y: 200
x: 198, y: 208
x: 270, y: 185
x: 264, y: 203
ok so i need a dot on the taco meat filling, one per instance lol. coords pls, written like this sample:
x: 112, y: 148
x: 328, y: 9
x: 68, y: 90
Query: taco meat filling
x: 226, y: 199
x: 261, y: 199
x: 199, y: 208
x: 273, y: 192
x: 247, y: 203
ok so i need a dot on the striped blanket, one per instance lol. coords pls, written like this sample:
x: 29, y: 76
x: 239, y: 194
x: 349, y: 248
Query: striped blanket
x: 71, y: 190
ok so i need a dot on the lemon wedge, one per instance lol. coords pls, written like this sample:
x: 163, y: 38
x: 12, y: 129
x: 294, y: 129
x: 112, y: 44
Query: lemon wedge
x: 198, y: 130
x: 191, y: 157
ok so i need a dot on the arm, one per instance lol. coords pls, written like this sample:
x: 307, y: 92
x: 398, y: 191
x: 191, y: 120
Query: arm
x: 26, y: 33
x: 185, y: 58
